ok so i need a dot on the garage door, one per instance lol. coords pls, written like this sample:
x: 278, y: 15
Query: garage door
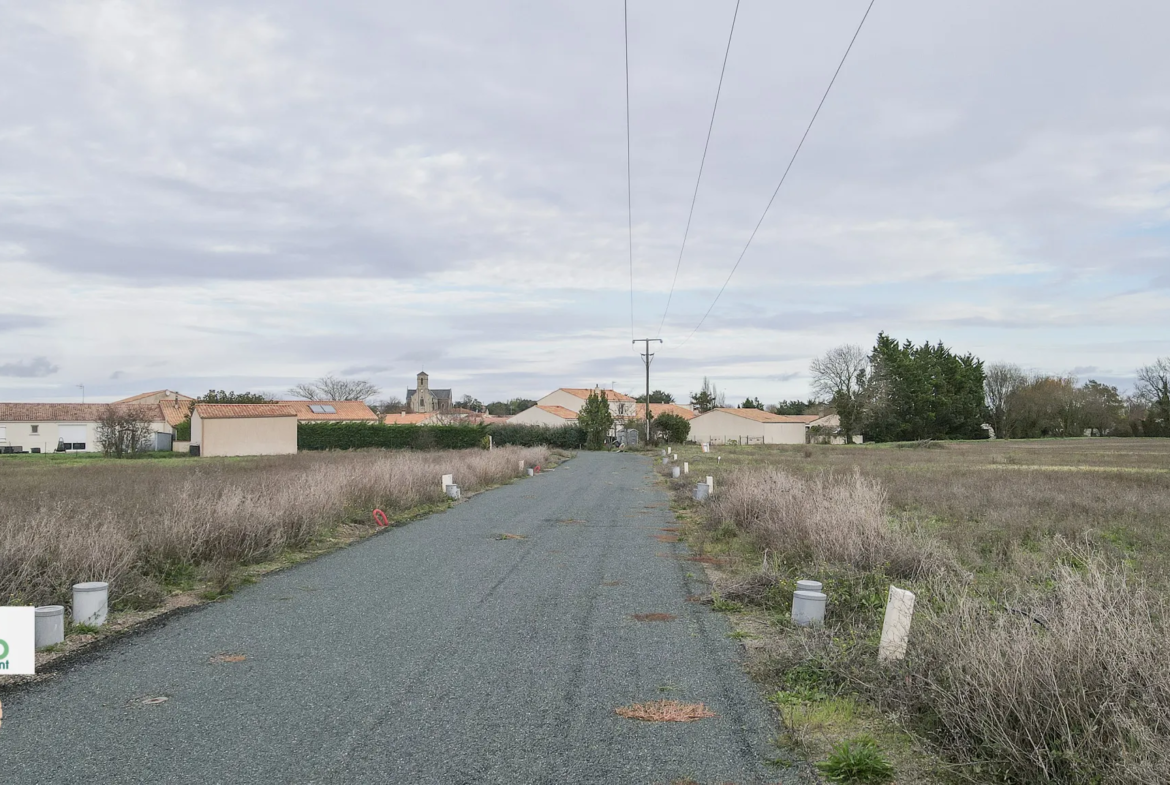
x: 74, y: 436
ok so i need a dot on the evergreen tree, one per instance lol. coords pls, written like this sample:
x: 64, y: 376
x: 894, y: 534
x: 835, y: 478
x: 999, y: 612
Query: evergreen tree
x: 923, y: 392
x: 596, y: 420
x: 705, y: 399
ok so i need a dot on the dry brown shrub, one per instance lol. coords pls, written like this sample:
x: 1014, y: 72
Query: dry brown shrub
x: 60, y: 525
x: 665, y: 711
x: 827, y: 518
x: 1071, y: 686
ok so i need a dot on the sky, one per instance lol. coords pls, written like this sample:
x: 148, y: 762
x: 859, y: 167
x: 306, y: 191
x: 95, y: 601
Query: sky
x: 255, y: 193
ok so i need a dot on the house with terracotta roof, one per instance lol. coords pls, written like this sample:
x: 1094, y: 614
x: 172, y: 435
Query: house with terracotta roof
x: 750, y: 426
x: 331, y: 411
x: 561, y: 406
x: 157, y: 396
x: 225, y: 429
x: 66, y: 427
x: 545, y: 414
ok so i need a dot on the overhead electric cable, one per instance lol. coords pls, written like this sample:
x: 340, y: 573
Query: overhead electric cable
x: 702, y: 161
x: 784, y: 176
x: 629, y: 178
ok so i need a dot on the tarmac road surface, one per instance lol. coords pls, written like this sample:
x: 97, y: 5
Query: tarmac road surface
x: 431, y: 653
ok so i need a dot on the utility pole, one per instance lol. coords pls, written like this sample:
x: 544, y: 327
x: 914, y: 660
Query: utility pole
x: 647, y: 357
x: 82, y: 386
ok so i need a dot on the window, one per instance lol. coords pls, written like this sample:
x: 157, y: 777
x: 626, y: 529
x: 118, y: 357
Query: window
x: 322, y: 408
x: 3, y: 433
x: 36, y: 429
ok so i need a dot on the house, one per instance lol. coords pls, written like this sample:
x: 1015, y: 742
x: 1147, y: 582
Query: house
x: 657, y: 409
x: 551, y: 415
x: 828, y: 430
x: 66, y: 427
x: 423, y: 399
x: 408, y: 418
x: 158, y: 396
x: 331, y: 411
x: 750, y: 426
x: 221, y: 429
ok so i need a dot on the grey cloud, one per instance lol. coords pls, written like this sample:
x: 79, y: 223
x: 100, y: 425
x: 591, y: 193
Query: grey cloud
x: 356, y: 370
x: 12, y: 322
x: 33, y: 369
x: 116, y: 375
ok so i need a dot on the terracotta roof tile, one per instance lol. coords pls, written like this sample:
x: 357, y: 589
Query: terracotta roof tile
x: 346, y: 410
x: 665, y: 408
x: 222, y: 411
x: 560, y: 411
x: 409, y: 418
x: 583, y: 392
x: 175, y: 412
x: 71, y: 412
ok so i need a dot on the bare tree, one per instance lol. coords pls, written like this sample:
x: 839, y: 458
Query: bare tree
x: 840, y: 376
x: 390, y: 405
x: 124, y: 431
x: 1153, y: 388
x: 330, y: 388
x: 1001, y: 382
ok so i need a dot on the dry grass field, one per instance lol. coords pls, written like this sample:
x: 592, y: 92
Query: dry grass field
x: 154, y: 527
x: 1038, y: 646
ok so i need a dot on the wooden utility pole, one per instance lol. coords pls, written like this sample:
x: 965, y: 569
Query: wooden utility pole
x: 647, y: 357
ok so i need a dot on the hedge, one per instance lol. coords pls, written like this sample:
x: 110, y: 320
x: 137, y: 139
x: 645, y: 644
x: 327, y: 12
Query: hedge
x: 569, y: 437
x: 359, y: 435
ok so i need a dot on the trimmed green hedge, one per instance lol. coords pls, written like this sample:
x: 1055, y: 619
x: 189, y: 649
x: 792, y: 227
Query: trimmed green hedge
x: 361, y: 435
x: 569, y: 437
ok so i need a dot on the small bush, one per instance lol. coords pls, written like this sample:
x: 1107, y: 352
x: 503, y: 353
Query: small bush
x: 1069, y: 686
x: 827, y: 518
x: 858, y: 760
x: 672, y: 427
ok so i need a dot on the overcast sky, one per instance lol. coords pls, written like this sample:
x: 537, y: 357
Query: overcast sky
x: 246, y: 195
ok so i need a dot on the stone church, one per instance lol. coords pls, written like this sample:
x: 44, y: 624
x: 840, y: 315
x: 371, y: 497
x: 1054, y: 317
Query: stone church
x: 424, y: 399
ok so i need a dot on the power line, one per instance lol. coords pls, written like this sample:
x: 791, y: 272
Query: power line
x: 629, y: 178
x: 702, y: 161
x: 784, y: 176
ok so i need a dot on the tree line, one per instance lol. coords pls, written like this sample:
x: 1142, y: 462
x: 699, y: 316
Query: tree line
x: 900, y: 391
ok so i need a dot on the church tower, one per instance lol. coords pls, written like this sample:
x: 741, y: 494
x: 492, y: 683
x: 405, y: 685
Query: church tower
x: 422, y: 396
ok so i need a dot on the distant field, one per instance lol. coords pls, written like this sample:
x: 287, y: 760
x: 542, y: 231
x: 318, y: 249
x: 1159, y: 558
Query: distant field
x: 984, y: 497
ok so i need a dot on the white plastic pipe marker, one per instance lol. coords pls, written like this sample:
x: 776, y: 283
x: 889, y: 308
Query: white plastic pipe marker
x: 896, y: 628
x: 91, y: 602
x: 448, y: 479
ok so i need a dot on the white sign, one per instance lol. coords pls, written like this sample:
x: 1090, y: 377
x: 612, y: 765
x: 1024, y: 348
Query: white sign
x: 896, y: 628
x: 18, y: 641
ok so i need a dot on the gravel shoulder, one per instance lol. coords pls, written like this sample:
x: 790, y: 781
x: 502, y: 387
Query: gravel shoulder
x: 438, y: 652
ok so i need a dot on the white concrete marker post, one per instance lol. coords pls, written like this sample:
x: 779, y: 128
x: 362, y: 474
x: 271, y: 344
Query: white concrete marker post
x: 674, y: 472
x: 896, y: 628
x: 521, y: 465
x: 532, y: 472
x: 710, y: 484
x: 50, y: 625
x: 448, y: 479
x: 686, y: 468
x: 91, y: 603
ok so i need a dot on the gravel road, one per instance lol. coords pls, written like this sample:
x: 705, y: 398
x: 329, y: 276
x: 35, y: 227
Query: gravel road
x: 432, y: 653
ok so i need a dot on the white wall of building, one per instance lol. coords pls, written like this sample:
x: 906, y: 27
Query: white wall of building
x: 534, y: 415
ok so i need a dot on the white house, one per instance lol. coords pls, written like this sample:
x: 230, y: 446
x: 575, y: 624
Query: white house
x: 72, y: 427
x: 551, y: 415
x: 831, y: 425
x: 750, y: 426
x: 573, y: 399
